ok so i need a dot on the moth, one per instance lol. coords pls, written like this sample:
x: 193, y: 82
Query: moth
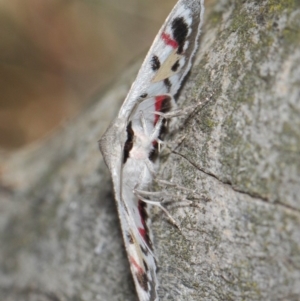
x: 131, y: 143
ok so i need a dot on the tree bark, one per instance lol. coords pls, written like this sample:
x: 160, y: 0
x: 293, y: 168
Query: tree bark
x: 235, y: 168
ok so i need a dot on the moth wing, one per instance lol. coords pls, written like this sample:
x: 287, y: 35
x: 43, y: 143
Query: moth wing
x: 169, y: 58
x: 132, y: 214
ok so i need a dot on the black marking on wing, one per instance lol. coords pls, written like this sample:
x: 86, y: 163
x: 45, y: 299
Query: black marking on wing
x: 129, y: 142
x: 142, y: 279
x: 155, y: 63
x: 165, y: 108
x: 166, y: 105
x: 154, y: 153
x: 162, y: 133
x: 168, y: 84
x: 130, y: 239
x: 144, y: 250
x: 163, y: 130
x: 180, y: 31
x: 144, y: 216
x: 145, y: 265
x: 144, y: 95
x: 175, y: 67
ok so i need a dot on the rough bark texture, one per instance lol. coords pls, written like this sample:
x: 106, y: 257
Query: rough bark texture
x: 59, y: 231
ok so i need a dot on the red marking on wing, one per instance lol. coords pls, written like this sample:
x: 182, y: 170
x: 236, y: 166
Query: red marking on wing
x: 169, y: 41
x: 136, y: 265
x: 158, y: 104
x: 154, y: 143
x: 143, y: 232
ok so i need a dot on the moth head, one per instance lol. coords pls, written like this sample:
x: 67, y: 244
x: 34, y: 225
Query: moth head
x: 111, y: 145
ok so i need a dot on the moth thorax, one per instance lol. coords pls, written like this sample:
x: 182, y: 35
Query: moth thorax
x: 142, y: 146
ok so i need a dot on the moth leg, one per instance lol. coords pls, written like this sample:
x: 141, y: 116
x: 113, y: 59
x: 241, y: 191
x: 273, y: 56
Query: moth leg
x: 158, y: 203
x: 192, y: 192
x: 148, y: 193
x: 180, y: 112
x: 156, y: 129
x: 170, y: 204
x: 155, y: 134
x: 170, y: 183
x: 171, y: 146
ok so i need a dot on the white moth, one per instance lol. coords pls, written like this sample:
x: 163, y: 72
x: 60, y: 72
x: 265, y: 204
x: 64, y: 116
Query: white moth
x: 130, y: 144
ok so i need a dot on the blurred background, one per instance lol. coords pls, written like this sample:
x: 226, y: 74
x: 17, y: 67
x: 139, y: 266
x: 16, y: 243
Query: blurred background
x: 56, y: 55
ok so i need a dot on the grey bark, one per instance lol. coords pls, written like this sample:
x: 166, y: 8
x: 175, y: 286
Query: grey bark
x: 59, y: 230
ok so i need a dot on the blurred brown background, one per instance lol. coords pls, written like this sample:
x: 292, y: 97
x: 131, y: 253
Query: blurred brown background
x: 55, y: 55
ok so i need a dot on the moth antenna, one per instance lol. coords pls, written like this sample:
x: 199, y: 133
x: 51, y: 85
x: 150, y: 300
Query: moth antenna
x: 147, y: 193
